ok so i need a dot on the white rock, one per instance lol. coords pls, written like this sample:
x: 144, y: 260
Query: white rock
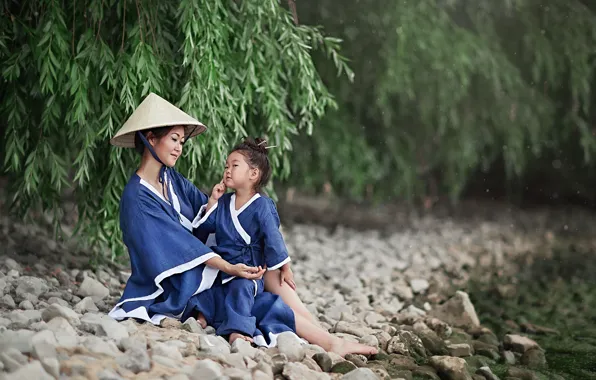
x: 93, y: 288
x: 162, y: 349
x: 207, y: 370
x: 419, y: 285
x: 57, y: 310
x: 360, y: 374
x: 290, y: 345
x: 85, y: 305
x: 33, y: 370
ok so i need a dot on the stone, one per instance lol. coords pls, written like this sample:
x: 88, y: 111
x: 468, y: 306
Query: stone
x: 290, y: 345
x: 278, y: 362
x: 13, y: 359
x: 85, y: 305
x: 450, y: 368
x: 93, y: 288
x: 402, y: 362
x: 324, y: 361
x: 360, y: 374
x: 509, y: 357
x: 383, y: 338
x: 460, y: 350
x: 162, y: 349
x: 519, y: 343
x: 60, y: 301
x: 426, y: 372
x: 65, y: 334
x: 487, y: 373
x: 107, y: 374
x: 206, y: 370
x: 100, y: 346
x: 33, y: 370
x: 457, y: 311
x: 298, y: 371
x: 138, y: 341
x: 26, y: 305
x: 135, y: 360
x: 442, y: 329
x: 521, y: 373
x: 370, y: 340
x: 23, y: 318
x: 430, y: 340
x: 358, y: 360
x: 350, y: 328
x: 8, y: 302
x: 43, y: 350
x: 213, y: 344
x: 534, y: 358
x: 57, y: 310
x: 18, y: 339
x: 27, y: 285
x: 52, y: 366
x: 165, y: 361
x: 236, y: 374
x: 343, y: 367
x: 192, y: 325
x: 244, y: 347
x: 406, y: 343
x: 419, y: 285
x: 103, y: 325
x: 311, y: 364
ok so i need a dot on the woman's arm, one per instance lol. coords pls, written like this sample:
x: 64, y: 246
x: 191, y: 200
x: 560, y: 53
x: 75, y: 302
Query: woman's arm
x: 239, y: 270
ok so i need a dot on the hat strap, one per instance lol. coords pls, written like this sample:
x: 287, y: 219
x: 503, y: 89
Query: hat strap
x: 165, y: 187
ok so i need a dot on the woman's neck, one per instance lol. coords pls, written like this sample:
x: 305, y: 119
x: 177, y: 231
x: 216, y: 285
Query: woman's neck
x: 149, y: 169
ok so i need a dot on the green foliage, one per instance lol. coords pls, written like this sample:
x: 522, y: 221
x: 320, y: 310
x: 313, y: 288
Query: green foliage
x: 445, y: 89
x: 73, y: 71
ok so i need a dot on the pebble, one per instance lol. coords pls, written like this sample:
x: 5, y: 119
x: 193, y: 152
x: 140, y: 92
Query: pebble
x: 93, y: 288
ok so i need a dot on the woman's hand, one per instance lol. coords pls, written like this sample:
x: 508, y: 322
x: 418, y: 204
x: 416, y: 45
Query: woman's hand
x: 244, y: 271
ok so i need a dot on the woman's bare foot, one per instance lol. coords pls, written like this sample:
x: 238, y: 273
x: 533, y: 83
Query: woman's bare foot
x: 343, y: 347
x: 201, y: 319
x: 234, y: 336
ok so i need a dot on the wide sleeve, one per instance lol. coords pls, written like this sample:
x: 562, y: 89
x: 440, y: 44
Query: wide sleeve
x: 276, y: 253
x: 159, y: 245
x: 205, y: 221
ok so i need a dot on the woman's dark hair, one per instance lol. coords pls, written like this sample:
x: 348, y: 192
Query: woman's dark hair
x: 158, y: 132
x: 255, y: 151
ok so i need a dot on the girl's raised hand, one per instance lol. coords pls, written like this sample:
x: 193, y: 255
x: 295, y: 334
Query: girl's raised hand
x: 218, y: 190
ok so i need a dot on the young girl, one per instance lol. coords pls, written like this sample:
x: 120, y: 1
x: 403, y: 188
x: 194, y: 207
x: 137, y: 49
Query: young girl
x: 246, y: 227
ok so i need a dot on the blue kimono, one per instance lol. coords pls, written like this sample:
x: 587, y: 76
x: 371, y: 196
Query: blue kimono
x: 168, y: 262
x: 249, y: 236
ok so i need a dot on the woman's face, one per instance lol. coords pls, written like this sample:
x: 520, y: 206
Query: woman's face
x: 169, y: 147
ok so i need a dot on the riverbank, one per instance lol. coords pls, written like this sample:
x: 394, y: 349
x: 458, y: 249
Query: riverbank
x: 393, y: 287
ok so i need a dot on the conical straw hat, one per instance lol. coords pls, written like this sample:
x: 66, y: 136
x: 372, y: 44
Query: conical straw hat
x: 155, y: 112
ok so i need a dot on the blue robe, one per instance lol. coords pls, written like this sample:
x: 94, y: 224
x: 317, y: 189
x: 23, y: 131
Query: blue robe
x: 168, y: 270
x: 249, y: 236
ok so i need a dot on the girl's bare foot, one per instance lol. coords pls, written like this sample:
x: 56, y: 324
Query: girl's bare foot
x: 343, y: 347
x: 201, y: 319
x: 234, y: 336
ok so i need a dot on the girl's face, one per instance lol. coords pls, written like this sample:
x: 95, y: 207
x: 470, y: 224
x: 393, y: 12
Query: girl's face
x: 169, y: 147
x: 238, y: 174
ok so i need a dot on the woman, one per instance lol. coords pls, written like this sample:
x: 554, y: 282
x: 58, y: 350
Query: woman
x: 169, y: 265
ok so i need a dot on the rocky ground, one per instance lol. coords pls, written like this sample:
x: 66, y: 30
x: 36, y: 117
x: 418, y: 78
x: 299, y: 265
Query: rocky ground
x: 394, y: 290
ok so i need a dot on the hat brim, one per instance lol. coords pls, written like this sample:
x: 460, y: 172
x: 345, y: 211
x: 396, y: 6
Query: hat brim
x: 127, y: 140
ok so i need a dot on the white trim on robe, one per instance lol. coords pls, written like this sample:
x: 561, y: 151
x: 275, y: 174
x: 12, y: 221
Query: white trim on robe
x: 198, y: 220
x: 260, y: 340
x: 209, y: 275
x: 277, y: 266
x: 175, y: 202
x: 234, y: 213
